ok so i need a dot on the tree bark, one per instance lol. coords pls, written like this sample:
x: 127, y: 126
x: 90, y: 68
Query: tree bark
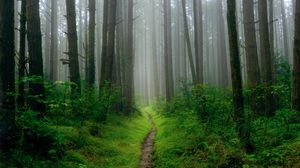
x: 155, y: 53
x: 54, y: 42
x: 188, y: 42
x: 168, y: 50
x: 296, y: 68
x: 22, y: 55
x: 73, y: 47
x: 198, y: 39
x: 34, y: 38
x: 265, y: 56
x: 285, y: 32
x: 1, y: 54
x: 8, y: 59
x: 253, y: 72
x: 91, y: 54
x: 130, y: 61
x: 223, y: 70
x: 238, y: 100
x: 109, y: 48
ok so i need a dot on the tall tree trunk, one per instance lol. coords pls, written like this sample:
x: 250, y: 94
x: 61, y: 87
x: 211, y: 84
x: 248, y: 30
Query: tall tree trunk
x: 155, y: 53
x: 238, y: 100
x: 253, y: 72
x: 271, y: 21
x: 265, y: 56
x: 34, y: 38
x: 91, y: 56
x: 188, y: 42
x: 104, y: 42
x: 168, y: 50
x: 22, y: 55
x: 108, y: 55
x: 198, y: 39
x: 296, y: 69
x: 73, y: 48
x: 1, y: 54
x: 223, y: 70
x: 54, y: 42
x: 8, y: 59
x: 130, y: 61
x: 47, y: 39
x: 285, y: 31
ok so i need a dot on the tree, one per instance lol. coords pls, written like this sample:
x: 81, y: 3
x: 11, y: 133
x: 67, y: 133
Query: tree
x: 22, y: 55
x: 1, y: 82
x: 196, y: 79
x: 54, y: 42
x: 266, y: 59
x: 285, y: 31
x: 34, y: 38
x: 238, y: 100
x: 109, y: 45
x: 198, y: 39
x: 129, y: 61
x: 155, y: 52
x: 91, y: 54
x: 73, y: 46
x: 296, y: 68
x: 168, y: 50
x: 253, y: 72
x: 8, y: 57
x: 223, y: 70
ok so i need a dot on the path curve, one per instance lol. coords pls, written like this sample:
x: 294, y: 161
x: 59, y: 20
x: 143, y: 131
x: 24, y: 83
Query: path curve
x: 148, y: 147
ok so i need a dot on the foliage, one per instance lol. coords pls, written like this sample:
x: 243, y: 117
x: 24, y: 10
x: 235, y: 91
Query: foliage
x: 37, y: 140
x: 206, y: 135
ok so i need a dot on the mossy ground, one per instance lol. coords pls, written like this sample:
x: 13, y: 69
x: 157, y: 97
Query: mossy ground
x: 114, y: 144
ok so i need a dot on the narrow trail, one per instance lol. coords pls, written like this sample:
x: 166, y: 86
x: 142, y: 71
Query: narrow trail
x: 148, y: 147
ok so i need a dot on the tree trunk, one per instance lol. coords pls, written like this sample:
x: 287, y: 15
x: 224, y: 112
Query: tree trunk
x: 285, y: 32
x: 223, y: 70
x: 155, y: 53
x: 253, y: 72
x: 1, y: 54
x: 8, y: 58
x: 197, y: 4
x: 91, y: 56
x: 265, y: 56
x: 22, y: 55
x: 73, y: 48
x: 108, y: 55
x: 104, y: 42
x: 129, y: 61
x: 34, y: 38
x: 188, y: 42
x: 54, y: 42
x: 296, y: 69
x: 47, y: 39
x: 238, y: 100
x: 168, y: 50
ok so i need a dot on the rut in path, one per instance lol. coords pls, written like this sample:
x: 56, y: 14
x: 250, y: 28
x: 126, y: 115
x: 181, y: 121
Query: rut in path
x: 147, y: 151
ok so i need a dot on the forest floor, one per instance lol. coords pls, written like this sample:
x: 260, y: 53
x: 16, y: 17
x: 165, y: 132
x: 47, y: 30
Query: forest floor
x: 148, y: 147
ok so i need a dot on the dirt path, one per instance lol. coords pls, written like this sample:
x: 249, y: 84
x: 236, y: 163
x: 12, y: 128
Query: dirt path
x: 148, y: 146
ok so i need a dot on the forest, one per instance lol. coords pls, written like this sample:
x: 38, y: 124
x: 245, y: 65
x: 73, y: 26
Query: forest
x: 149, y: 83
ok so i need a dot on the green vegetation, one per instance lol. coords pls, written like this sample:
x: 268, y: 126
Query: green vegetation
x: 92, y: 135
x: 201, y: 133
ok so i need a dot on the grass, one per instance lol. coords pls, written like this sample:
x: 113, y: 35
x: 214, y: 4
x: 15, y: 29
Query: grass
x: 177, y: 142
x: 184, y: 142
x: 116, y: 143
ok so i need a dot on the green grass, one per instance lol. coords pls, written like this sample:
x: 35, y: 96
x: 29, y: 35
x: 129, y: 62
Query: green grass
x: 118, y: 145
x: 184, y: 142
